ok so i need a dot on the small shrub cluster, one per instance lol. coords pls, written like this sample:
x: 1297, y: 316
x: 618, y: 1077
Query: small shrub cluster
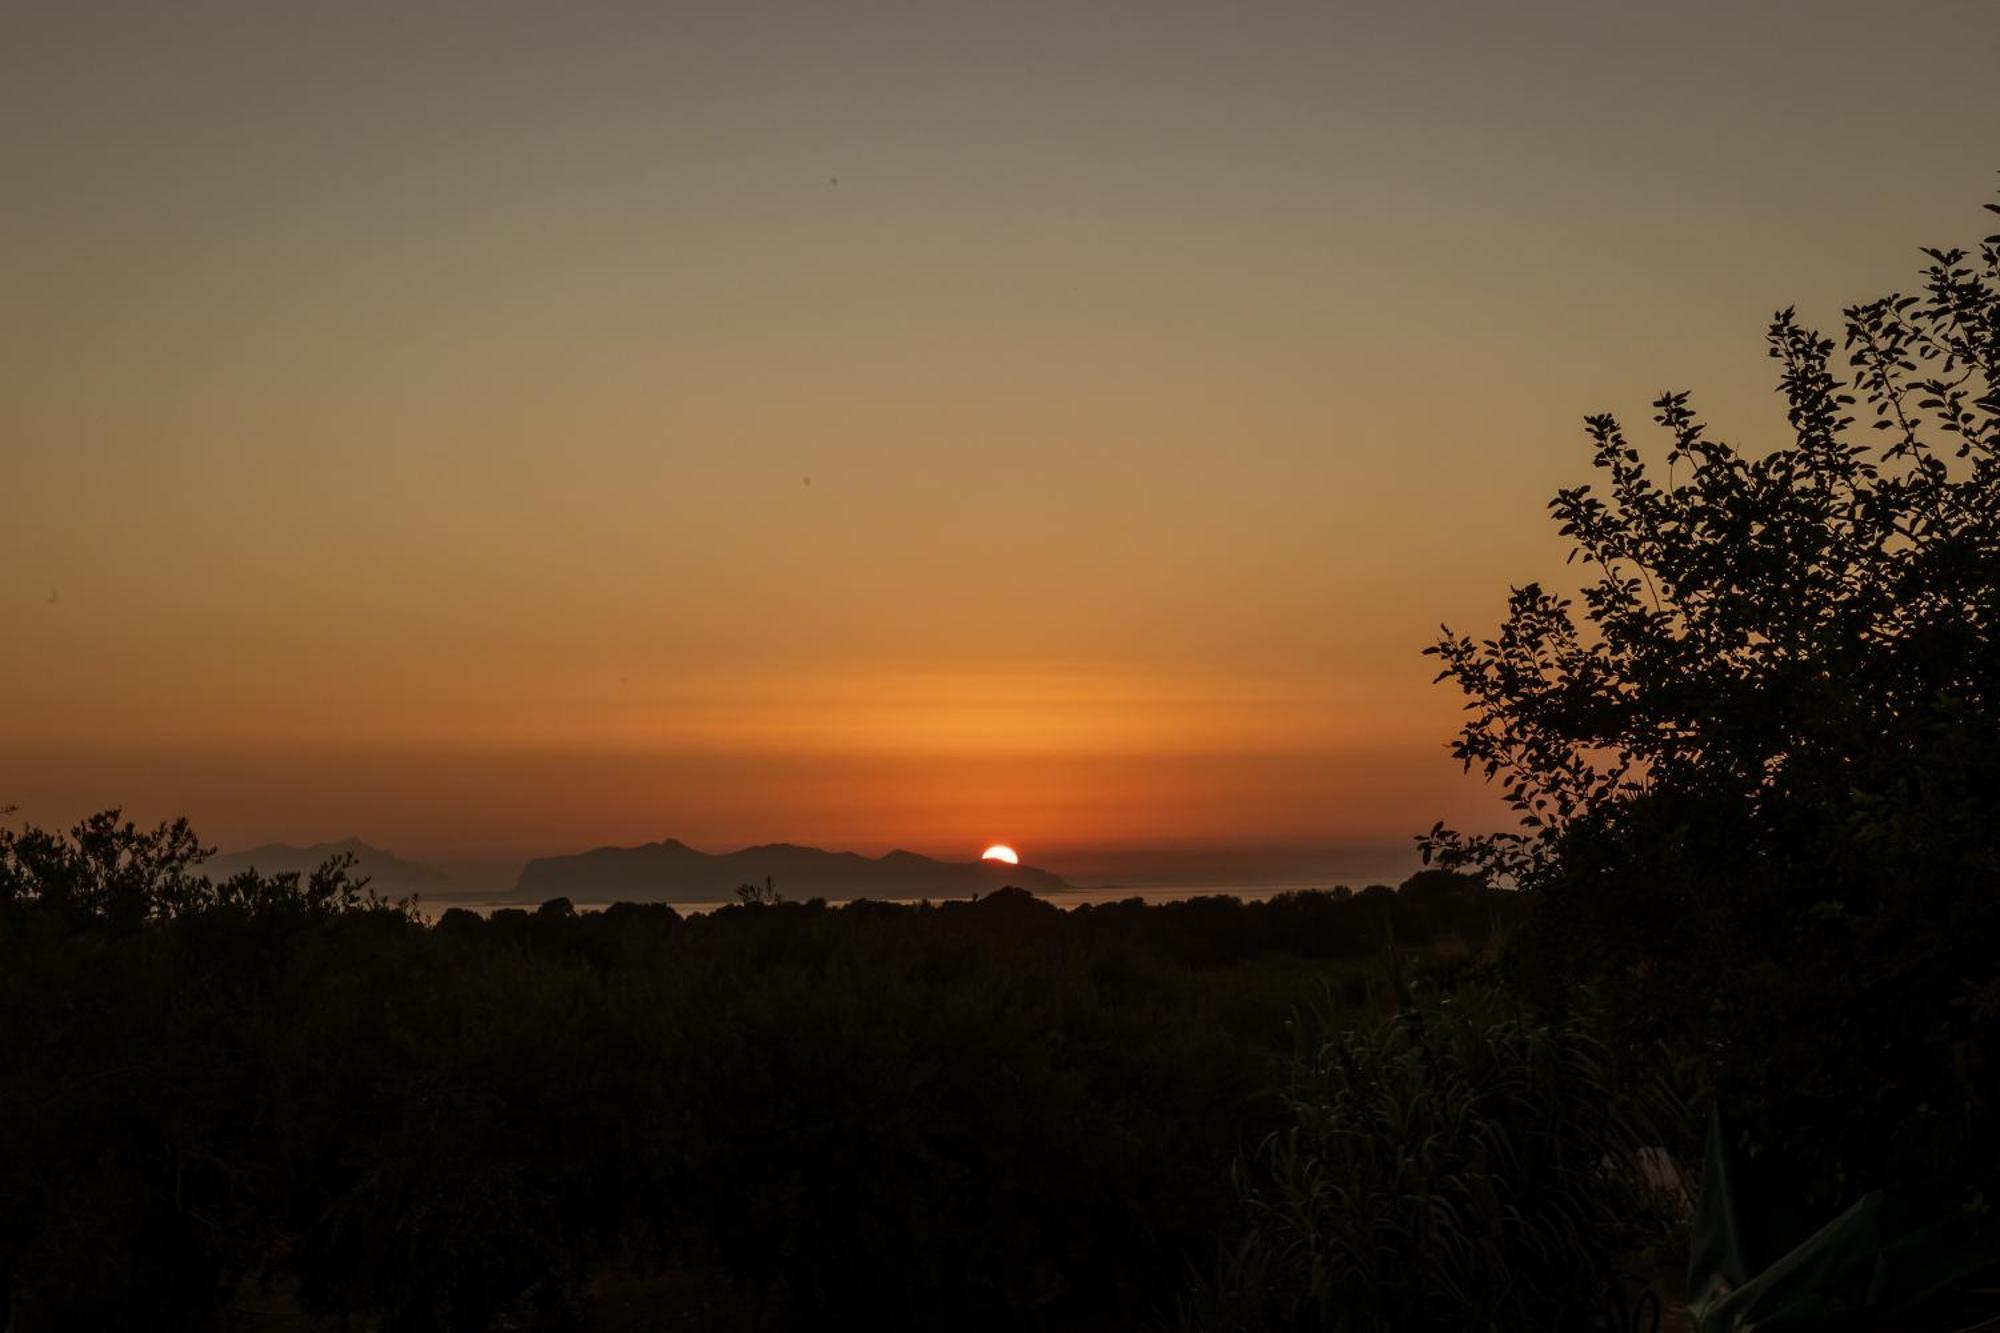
x: 1460, y: 1167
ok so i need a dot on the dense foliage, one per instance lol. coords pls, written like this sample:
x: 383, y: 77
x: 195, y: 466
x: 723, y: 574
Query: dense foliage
x: 1460, y: 1167
x: 872, y: 1115
x: 1757, y: 765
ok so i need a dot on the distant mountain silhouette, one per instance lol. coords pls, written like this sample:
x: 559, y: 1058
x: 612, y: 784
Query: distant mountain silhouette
x: 672, y: 871
x: 388, y: 874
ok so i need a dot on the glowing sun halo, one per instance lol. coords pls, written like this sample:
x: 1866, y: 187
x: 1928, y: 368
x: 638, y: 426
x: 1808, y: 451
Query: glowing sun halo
x: 1000, y: 851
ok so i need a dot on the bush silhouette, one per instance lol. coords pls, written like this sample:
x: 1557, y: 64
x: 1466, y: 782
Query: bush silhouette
x: 1756, y: 764
x: 1461, y: 1168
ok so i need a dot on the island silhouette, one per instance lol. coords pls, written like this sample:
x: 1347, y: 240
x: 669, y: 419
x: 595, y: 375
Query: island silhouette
x: 387, y: 873
x: 673, y: 872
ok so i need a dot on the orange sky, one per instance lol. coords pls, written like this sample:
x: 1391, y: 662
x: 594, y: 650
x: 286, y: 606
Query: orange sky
x: 408, y: 411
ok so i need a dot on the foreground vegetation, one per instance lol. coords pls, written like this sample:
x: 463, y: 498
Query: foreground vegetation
x: 872, y: 1115
x: 1757, y: 766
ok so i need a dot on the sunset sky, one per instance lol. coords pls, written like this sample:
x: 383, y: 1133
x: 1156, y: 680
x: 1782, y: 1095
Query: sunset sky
x: 490, y: 430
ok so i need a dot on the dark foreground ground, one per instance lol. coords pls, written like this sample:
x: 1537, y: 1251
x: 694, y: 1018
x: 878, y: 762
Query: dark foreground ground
x: 281, y: 1101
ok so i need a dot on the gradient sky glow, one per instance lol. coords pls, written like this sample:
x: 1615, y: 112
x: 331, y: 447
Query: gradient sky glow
x: 407, y: 410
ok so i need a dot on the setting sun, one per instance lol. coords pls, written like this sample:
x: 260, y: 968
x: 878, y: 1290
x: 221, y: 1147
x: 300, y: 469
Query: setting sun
x: 559, y: 524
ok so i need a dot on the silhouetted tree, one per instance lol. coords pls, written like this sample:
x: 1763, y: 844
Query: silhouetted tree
x: 1757, y: 765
